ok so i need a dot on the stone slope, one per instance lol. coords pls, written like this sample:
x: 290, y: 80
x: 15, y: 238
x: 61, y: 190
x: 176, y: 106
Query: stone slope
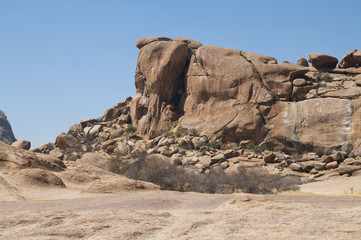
x: 6, y: 133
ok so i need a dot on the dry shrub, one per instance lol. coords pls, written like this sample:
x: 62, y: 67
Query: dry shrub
x: 178, y: 178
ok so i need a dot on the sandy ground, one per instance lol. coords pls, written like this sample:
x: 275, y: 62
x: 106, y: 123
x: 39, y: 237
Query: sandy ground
x: 174, y: 215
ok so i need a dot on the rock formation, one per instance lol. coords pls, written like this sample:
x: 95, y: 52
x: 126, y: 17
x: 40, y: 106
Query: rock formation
x: 6, y: 133
x: 236, y: 95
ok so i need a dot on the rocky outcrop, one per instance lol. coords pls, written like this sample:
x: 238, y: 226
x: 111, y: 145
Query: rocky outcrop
x: 235, y: 95
x: 351, y: 59
x: 227, y: 89
x: 6, y: 133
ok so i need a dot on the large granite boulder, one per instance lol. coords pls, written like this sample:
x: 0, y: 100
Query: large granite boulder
x: 6, y: 133
x: 158, y: 78
x: 322, y: 60
x: 351, y: 59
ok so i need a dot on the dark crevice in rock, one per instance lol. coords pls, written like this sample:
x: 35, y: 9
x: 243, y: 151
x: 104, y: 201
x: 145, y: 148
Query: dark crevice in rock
x: 259, y: 75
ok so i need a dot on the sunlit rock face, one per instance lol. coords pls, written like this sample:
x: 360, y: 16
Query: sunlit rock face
x: 6, y: 133
x: 236, y: 95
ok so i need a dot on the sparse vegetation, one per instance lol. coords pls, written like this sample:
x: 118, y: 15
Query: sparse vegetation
x: 300, y: 97
x: 256, y: 148
x: 171, y: 177
x: 193, y: 132
x: 181, y: 131
x: 156, y: 134
x: 130, y: 129
x: 251, y: 145
x: 319, y: 151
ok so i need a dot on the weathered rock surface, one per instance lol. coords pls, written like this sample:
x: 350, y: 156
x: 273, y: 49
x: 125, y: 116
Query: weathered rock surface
x: 351, y: 59
x: 6, y: 133
x: 322, y: 60
x: 22, y: 144
x: 14, y: 158
x: 235, y: 95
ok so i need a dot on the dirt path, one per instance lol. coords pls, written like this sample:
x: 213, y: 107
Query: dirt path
x: 174, y: 215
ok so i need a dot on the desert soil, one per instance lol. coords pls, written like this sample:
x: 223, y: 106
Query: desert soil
x: 175, y: 215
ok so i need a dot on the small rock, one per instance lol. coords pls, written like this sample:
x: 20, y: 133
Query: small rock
x: 117, y: 133
x: 217, y: 158
x: 295, y: 167
x: 351, y: 161
x: 309, y: 156
x: 75, y: 128
x: 110, y: 149
x: 64, y: 141
x: 196, y: 143
x: 57, y: 153
x: 299, y: 82
x: 327, y: 159
x: 347, y: 147
x: 347, y: 169
x: 332, y: 165
x: 269, y: 158
x: 307, y: 166
x: 337, y: 156
x: 87, y: 122
x: 230, y: 153
x: 205, y: 161
x: 164, y: 150
x: 243, y: 144
x: 123, y: 149
x: 224, y: 165
x: 22, y: 144
x: 302, y: 62
x: 199, y: 166
x: 320, y: 166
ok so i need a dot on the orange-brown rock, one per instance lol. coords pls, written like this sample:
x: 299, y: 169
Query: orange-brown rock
x: 322, y: 60
x: 351, y: 59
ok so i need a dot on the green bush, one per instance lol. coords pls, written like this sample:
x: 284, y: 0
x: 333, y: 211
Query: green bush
x: 251, y: 145
x: 319, y: 151
x: 130, y: 129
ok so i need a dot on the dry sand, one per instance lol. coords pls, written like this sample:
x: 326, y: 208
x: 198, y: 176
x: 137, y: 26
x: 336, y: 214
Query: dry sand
x: 173, y: 215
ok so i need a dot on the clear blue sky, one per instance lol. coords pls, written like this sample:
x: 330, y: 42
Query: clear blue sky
x: 62, y: 61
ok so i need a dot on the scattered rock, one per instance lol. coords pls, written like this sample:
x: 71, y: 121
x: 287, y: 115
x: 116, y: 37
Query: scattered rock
x: 320, y: 166
x: 22, y: 144
x: 295, y: 167
x: 299, y: 82
x: 205, y: 161
x: 269, y: 158
x: 64, y: 141
x: 347, y: 169
x: 302, y: 62
x: 217, y: 158
x: 332, y: 165
x: 230, y: 153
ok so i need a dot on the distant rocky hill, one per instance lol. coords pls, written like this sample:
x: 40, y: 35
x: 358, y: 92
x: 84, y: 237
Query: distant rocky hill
x: 6, y: 133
